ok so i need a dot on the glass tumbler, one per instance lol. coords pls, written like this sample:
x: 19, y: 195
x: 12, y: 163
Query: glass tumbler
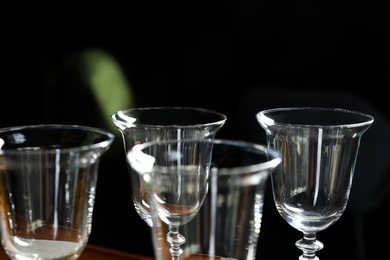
x: 48, y: 176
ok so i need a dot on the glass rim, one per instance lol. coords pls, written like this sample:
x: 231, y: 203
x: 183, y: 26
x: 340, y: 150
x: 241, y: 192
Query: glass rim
x: 365, y: 119
x: 274, y: 157
x: 122, y: 115
x: 108, y: 140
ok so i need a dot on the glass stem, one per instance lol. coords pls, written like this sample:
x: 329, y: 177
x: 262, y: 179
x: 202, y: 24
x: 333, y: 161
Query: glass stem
x: 175, y: 239
x: 309, y: 245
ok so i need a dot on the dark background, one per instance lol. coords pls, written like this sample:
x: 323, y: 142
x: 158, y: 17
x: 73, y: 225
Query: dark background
x: 236, y: 57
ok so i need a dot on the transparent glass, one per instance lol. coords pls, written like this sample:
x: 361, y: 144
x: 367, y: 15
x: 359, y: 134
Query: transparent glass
x: 208, y: 194
x: 319, y: 147
x: 140, y: 125
x: 48, y: 176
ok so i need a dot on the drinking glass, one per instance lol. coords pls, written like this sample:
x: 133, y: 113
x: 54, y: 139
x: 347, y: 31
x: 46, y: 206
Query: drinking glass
x: 139, y: 125
x: 319, y: 147
x: 208, y: 194
x: 48, y: 176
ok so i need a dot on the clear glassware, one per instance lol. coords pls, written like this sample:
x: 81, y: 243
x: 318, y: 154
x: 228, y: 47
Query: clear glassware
x: 319, y: 147
x: 216, y: 184
x: 140, y: 125
x: 48, y: 176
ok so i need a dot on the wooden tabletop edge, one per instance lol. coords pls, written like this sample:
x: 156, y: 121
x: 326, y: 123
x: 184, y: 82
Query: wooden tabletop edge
x: 116, y: 252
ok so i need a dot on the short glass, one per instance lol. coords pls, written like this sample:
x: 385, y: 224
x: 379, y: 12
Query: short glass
x: 206, y: 196
x: 48, y: 177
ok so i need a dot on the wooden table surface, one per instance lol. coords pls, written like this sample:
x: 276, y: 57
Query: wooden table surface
x: 92, y: 252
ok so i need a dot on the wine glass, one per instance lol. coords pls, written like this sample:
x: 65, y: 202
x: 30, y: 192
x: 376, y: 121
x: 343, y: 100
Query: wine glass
x: 224, y: 180
x: 319, y: 147
x: 139, y: 125
x: 48, y: 176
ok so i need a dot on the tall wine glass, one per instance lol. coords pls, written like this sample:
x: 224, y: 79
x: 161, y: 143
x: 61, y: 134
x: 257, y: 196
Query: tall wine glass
x: 225, y: 179
x: 48, y: 176
x: 179, y: 175
x: 319, y: 147
x: 139, y: 125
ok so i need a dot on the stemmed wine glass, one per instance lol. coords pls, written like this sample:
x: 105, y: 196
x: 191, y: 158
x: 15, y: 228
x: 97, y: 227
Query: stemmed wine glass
x: 179, y: 174
x: 48, y: 177
x: 139, y: 125
x: 319, y: 147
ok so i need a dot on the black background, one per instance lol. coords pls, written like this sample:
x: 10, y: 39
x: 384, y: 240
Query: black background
x: 199, y: 53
